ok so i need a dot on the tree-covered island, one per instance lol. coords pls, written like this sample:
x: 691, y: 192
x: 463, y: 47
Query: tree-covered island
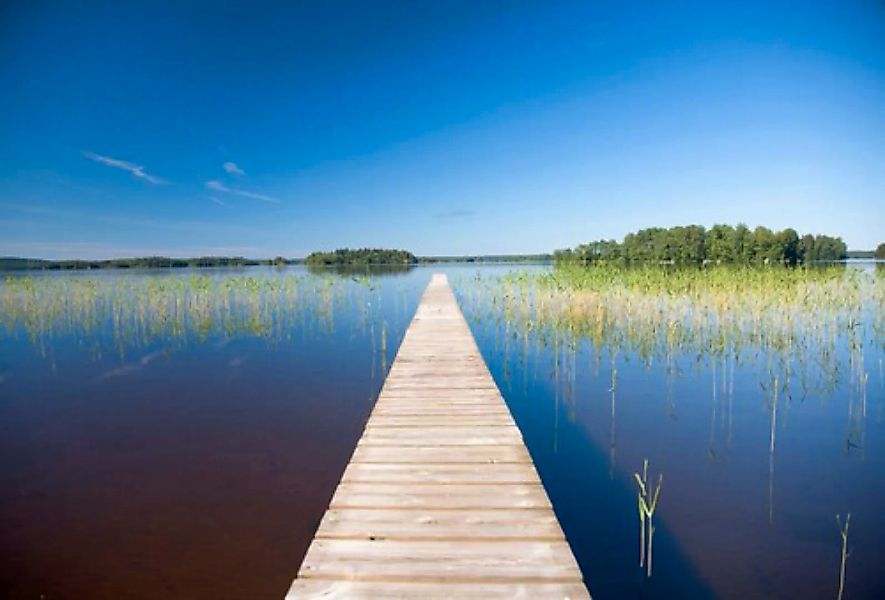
x: 721, y: 244
x: 361, y: 257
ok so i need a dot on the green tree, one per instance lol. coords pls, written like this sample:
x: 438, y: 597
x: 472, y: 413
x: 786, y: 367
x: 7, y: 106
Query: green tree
x: 829, y: 248
x: 720, y: 244
x: 361, y: 257
x: 806, y: 248
x: 788, y: 242
x: 764, y: 245
x: 692, y: 244
x: 644, y: 245
x: 743, y: 243
x: 687, y: 244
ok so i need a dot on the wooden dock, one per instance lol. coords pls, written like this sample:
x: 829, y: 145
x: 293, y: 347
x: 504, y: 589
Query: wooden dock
x: 441, y: 498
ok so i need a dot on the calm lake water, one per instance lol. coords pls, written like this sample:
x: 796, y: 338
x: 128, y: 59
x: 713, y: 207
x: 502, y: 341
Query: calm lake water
x: 180, y: 435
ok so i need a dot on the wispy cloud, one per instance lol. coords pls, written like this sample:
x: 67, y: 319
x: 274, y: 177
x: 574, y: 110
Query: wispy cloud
x: 217, y: 186
x: 233, y: 169
x: 455, y: 214
x: 137, y: 171
x: 217, y: 201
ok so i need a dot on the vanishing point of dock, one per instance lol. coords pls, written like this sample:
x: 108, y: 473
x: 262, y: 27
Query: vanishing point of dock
x: 441, y: 498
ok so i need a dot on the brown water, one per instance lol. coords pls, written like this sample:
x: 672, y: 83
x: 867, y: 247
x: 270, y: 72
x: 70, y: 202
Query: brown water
x: 197, y: 472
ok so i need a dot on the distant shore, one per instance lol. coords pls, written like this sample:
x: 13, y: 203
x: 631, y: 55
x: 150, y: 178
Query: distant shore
x: 14, y: 263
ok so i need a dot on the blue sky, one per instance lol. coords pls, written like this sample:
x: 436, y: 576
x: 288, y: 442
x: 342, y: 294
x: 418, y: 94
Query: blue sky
x: 445, y: 128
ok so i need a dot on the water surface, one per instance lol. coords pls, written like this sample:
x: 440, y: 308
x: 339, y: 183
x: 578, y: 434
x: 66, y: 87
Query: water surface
x: 750, y: 493
x: 179, y: 435
x: 189, y: 457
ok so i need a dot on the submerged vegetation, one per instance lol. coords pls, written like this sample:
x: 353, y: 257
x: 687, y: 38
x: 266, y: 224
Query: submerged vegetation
x: 721, y: 244
x: 135, y: 312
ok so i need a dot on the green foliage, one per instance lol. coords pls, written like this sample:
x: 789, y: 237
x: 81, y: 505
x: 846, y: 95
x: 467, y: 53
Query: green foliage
x: 880, y: 251
x: 362, y: 256
x: 147, y: 262
x: 722, y: 244
x: 827, y: 248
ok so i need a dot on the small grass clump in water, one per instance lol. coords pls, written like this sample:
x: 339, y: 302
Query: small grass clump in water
x: 843, y: 531
x: 647, y: 503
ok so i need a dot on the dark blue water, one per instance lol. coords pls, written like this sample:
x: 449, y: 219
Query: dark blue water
x: 737, y: 518
x: 194, y: 460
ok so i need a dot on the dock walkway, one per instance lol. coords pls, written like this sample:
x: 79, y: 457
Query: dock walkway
x: 441, y: 498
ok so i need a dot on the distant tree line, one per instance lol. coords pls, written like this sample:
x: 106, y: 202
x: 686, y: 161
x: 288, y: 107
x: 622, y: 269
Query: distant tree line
x: 148, y: 262
x: 361, y: 256
x: 880, y: 251
x: 693, y: 244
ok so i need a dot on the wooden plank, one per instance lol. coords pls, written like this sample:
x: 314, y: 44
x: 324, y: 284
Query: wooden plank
x: 432, y: 369
x: 440, y: 410
x: 488, y: 420
x: 442, y: 387
x: 436, y: 388
x: 431, y: 524
x: 334, y: 589
x: 440, y: 561
x: 441, y: 430
x: 453, y: 496
x: 440, y: 498
x: 440, y: 454
x: 479, y: 472
x: 454, y: 406
x: 441, y: 436
x: 424, y: 362
x: 410, y: 381
x: 454, y: 397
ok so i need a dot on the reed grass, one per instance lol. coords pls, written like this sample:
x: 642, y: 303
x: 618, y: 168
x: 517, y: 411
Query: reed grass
x: 136, y: 311
x: 801, y: 319
x: 647, y: 503
x: 843, y: 532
